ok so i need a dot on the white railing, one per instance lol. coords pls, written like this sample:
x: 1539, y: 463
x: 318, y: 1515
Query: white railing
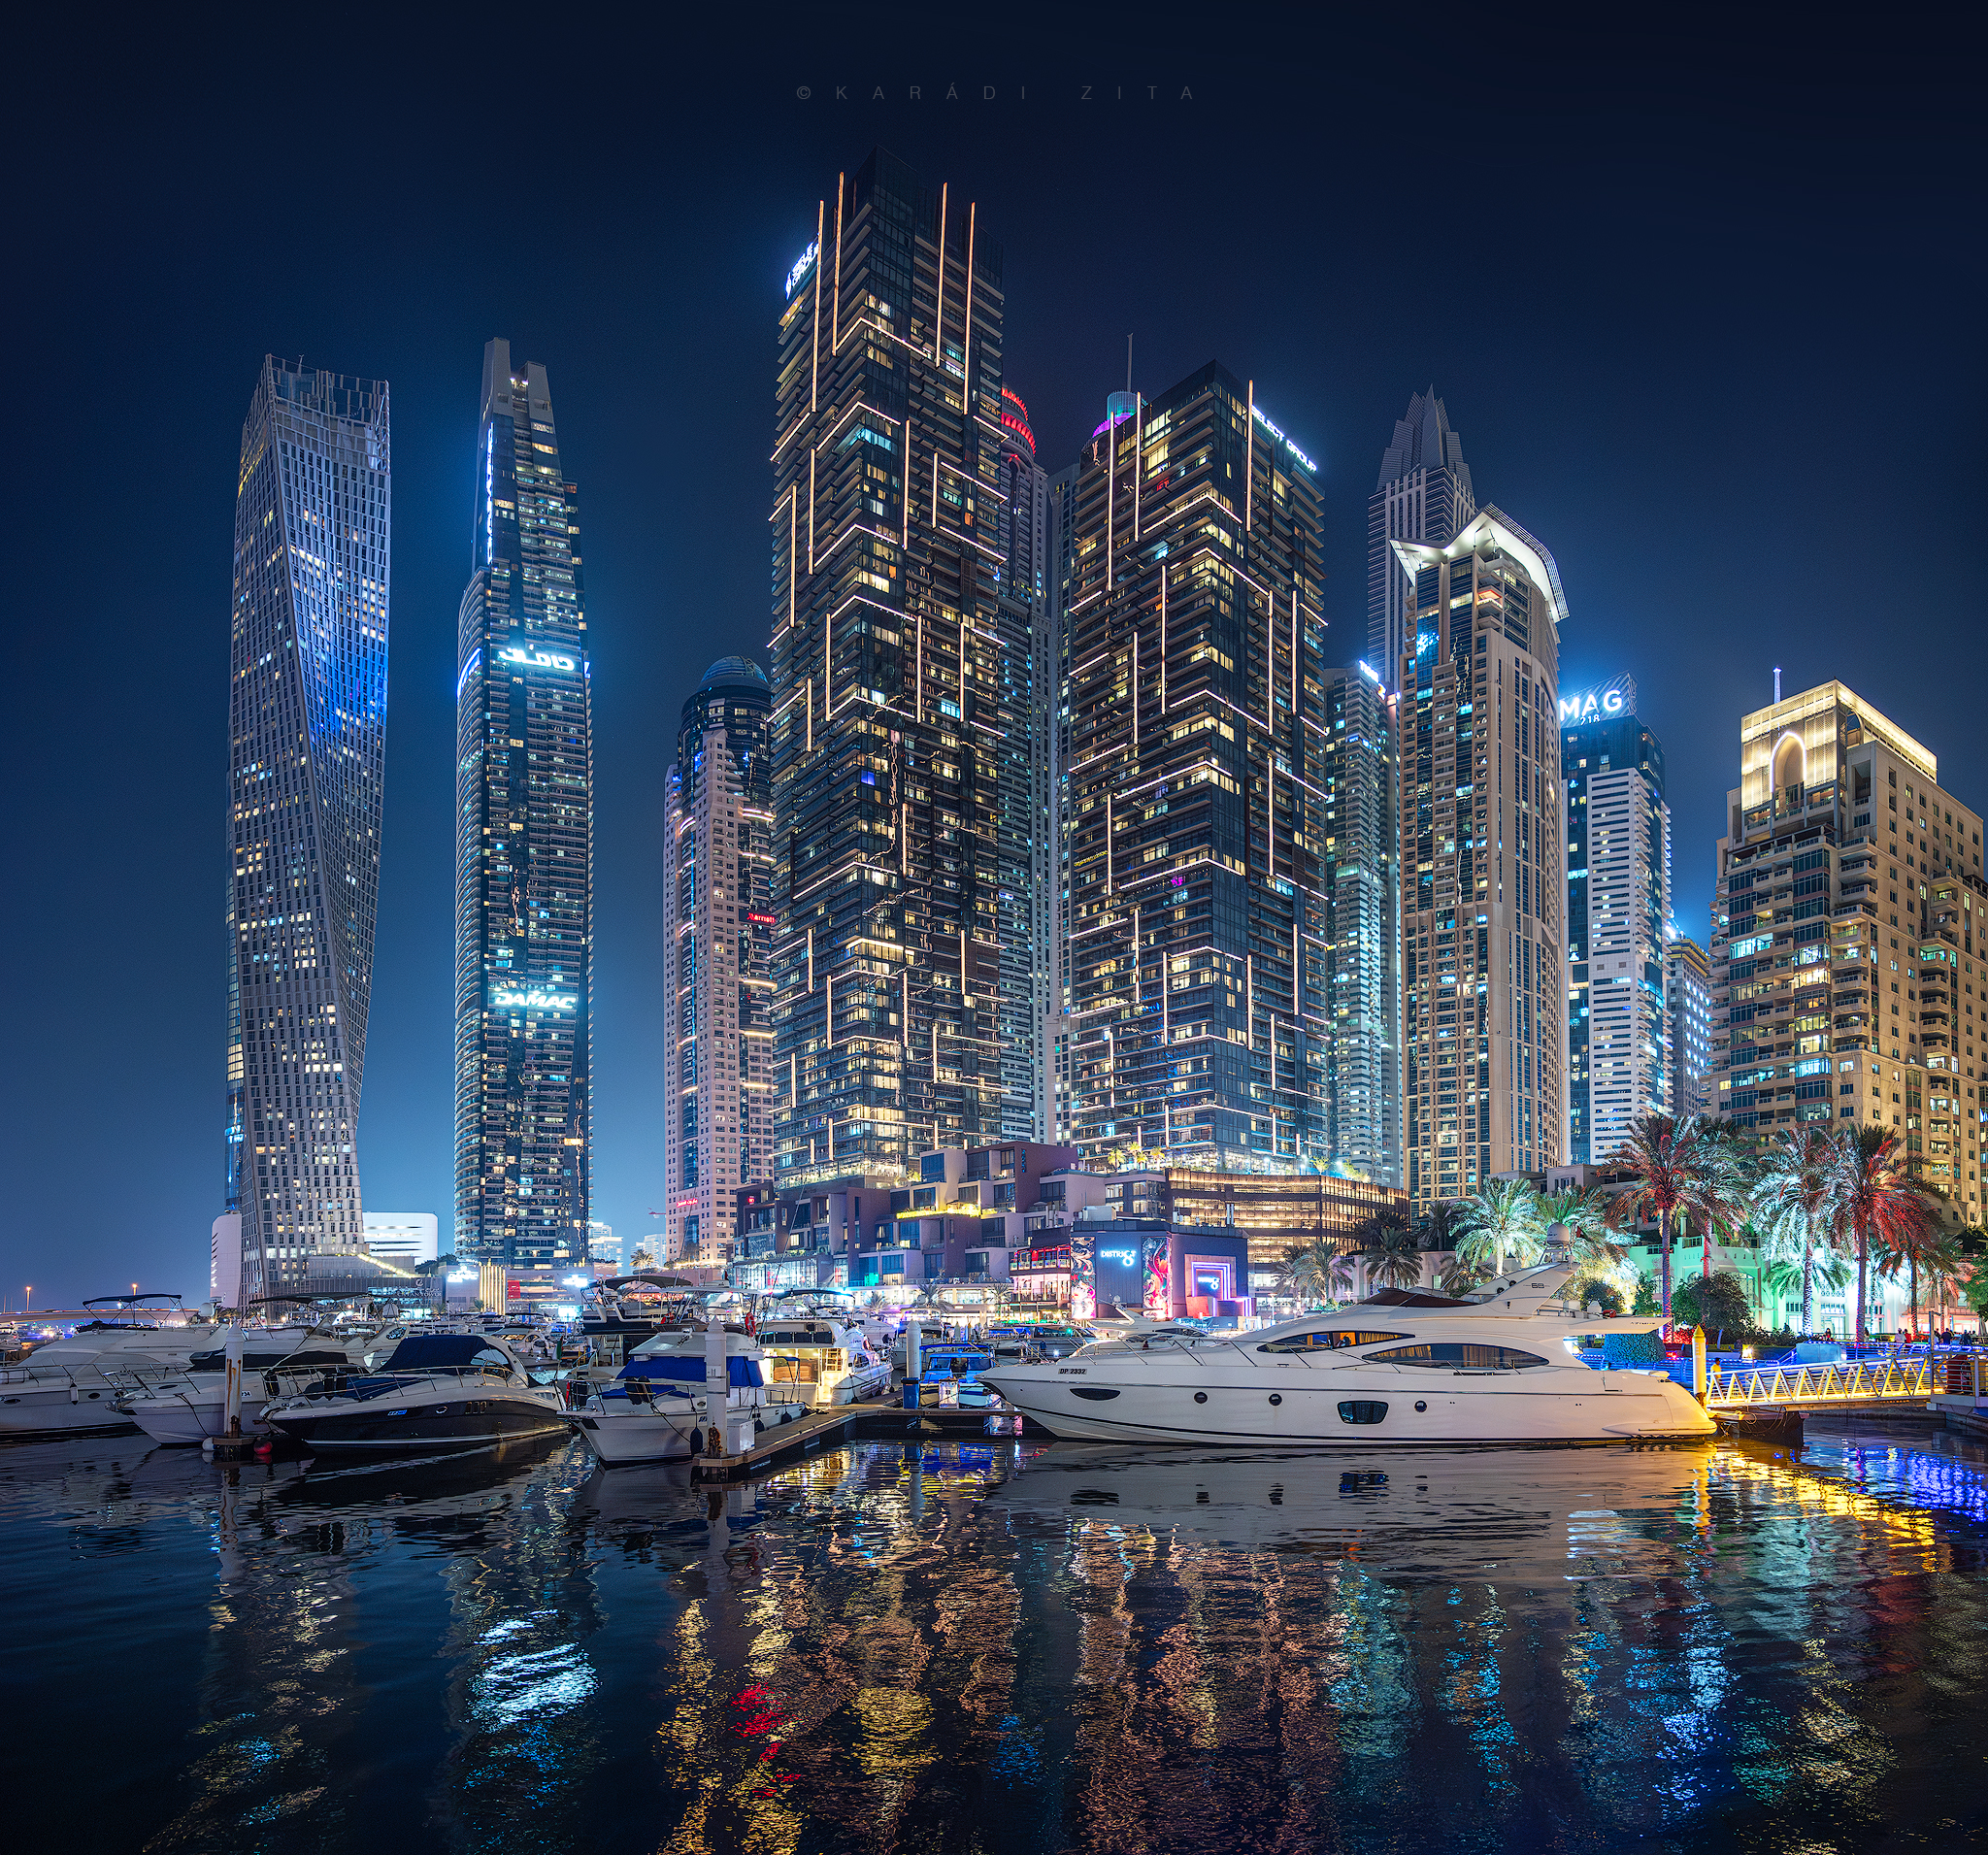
x: 1817, y: 1384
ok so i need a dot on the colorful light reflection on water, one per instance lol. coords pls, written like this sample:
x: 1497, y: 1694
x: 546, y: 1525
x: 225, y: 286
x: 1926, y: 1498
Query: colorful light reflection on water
x: 1004, y: 1648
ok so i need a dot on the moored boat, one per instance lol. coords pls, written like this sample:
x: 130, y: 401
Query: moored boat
x: 1398, y: 1368
x: 436, y: 1391
x: 658, y: 1410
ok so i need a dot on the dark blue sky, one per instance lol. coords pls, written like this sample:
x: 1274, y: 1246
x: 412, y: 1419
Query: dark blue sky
x: 1705, y: 309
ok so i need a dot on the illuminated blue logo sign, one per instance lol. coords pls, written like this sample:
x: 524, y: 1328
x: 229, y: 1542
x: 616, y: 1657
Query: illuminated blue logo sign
x: 534, y: 659
x: 1119, y: 1255
x: 508, y: 997
x: 802, y: 265
x: 1616, y: 697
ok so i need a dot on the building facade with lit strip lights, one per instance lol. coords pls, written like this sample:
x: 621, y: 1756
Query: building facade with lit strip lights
x: 895, y: 683
x: 1848, y: 976
x: 1483, y: 879
x: 524, y: 846
x: 1362, y: 899
x: 718, y: 937
x: 1618, y: 917
x: 306, y: 736
x: 1688, y: 1014
x: 1028, y: 599
x: 1193, y: 807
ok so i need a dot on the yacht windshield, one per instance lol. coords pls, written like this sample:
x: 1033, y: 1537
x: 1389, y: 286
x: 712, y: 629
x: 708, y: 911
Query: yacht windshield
x: 1459, y: 1355
x: 1327, y: 1339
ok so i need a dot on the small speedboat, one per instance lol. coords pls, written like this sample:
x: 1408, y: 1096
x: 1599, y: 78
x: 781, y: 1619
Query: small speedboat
x: 71, y: 1387
x: 657, y: 1408
x: 435, y: 1391
x: 952, y: 1375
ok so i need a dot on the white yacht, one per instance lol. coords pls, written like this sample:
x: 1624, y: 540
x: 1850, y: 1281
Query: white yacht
x: 187, y: 1407
x: 71, y: 1387
x: 436, y: 1391
x: 1399, y: 1368
x: 818, y: 1361
x: 656, y: 1409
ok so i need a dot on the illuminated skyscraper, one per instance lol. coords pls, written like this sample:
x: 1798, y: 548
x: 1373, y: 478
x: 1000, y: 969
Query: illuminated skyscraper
x: 1424, y: 494
x: 1688, y: 1010
x: 1618, y: 914
x: 524, y: 846
x: 307, y: 729
x: 894, y: 679
x: 718, y: 933
x: 1363, y: 900
x: 1483, y: 880
x: 1193, y: 805
x: 1027, y: 601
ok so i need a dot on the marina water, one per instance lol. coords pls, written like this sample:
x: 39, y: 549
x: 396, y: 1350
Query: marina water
x: 1009, y: 1646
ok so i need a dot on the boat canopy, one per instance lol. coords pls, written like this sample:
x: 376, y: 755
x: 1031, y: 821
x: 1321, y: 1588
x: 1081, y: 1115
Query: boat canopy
x: 439, y: 1352
x: 687, y: 1369
x: 1410, y: 1298
x: 217, y: 1359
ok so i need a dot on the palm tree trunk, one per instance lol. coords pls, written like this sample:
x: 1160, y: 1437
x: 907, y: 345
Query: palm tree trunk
x: 1912, y: 1276
x: 1664, y: 1261
x: 1807, y: 1290
x: 1864, y: 1269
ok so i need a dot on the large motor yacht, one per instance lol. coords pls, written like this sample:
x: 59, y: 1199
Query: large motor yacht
x: 436, y: 1391
x: 1399, y: 1368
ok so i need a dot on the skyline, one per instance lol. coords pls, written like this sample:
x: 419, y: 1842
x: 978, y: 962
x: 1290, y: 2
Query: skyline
x: 1697, y: 424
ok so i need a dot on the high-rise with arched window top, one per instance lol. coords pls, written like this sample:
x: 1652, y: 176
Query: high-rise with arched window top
x: 718, y: 933
x: 307, y: 732
x: 523, y: 844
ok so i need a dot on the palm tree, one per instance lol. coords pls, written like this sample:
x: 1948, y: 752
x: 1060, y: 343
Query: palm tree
x: 1392, y: 1251
x: 1875, y: 1198
x: 1314, y: 1270
x: 1946, y: 1268
x: 1793, y: 1202
x: 1502, y: 1220
x: 1678, y: 1172
x: 1440, y: 1222
x: 1584, y: 1218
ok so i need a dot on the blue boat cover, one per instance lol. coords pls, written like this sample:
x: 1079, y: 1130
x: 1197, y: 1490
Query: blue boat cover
x: 437, y: 1352
x: 687, y: 1368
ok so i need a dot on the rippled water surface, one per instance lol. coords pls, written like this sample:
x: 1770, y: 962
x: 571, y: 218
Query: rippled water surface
x: 1009, y: 1647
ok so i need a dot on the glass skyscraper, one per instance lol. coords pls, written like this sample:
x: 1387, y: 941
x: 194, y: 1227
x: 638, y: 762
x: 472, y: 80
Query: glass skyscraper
x: 524, y: 846
x: 1192, y: 810
x: 895, y: 740
x: 1424, y: 493
x: 307, y: 717
x: 1618, y: 915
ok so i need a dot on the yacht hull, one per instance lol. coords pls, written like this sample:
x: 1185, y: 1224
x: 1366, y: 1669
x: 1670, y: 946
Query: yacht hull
x: 1304, y: 1404
x: 618, y: 1431
x: 179, y: 1420
x: 423, y: 1419
x: 60, y: 1410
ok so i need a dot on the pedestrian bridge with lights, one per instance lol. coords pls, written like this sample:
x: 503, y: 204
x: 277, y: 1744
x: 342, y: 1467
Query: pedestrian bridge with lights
x: 1819, y: 1387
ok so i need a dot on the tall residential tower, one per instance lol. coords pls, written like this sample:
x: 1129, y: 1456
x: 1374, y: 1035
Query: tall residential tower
x: 1424, y: 493
x: 1483, y: 954
x: 306, y: 727
x: 1193, y: 807
x: 896, y: 739
x: 718, y: 933
x: 1618, y: 915
x: 523, y: 844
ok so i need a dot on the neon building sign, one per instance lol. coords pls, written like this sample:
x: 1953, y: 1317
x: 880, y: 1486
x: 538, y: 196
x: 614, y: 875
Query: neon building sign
x: 512, y: 998
x: 802, y: 265
x: 534, y: 659
x: 1616, y: 697
x: 1277, y: 432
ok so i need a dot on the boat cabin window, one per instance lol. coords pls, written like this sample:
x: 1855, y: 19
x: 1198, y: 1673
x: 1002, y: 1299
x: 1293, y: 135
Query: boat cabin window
x: 1328, y: 1339
x: 1459, y: 1355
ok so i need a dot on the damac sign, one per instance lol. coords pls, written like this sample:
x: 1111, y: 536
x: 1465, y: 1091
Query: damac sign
x: 801, y: 265
x: 534, y: 659
x: 509, y: 998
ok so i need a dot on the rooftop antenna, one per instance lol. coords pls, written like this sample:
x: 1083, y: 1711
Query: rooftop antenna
x: 1778, y: 682
x: 1128, y: 360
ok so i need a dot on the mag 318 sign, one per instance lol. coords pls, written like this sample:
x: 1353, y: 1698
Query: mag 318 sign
x: 1602, y: 704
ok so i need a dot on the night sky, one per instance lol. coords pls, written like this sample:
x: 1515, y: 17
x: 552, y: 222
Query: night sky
x: 1705, y: 309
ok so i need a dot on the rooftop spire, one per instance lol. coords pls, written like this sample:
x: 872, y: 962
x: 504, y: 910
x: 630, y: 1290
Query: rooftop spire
x: 1423, y: 440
